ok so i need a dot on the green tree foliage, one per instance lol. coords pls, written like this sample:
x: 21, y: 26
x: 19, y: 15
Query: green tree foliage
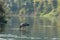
x: 3, y: 21
x: 55, y: 4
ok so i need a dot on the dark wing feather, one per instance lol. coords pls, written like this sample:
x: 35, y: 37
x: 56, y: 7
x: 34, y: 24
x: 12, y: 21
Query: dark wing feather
x: 24, y: 24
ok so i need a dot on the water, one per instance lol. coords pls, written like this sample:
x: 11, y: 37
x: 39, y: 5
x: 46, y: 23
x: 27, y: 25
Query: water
x: 39, y: 29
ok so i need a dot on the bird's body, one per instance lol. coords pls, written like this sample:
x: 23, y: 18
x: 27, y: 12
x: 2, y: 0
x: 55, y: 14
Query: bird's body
x: 24, y: 25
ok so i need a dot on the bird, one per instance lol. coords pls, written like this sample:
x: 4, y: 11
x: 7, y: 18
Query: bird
x: 24, y: 25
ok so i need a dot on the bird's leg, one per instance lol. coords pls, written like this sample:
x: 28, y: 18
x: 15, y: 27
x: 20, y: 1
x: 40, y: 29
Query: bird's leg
x: 22, y: 29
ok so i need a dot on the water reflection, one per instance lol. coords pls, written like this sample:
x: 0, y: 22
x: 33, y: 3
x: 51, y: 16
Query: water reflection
x: 39, y: 28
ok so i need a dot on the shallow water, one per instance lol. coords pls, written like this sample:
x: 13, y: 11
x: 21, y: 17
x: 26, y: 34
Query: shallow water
x: 39, y: 29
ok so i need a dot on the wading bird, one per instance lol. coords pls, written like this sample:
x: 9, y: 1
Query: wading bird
x: 23, y: 25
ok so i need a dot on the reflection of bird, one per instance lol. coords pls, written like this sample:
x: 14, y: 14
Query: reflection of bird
x: 24, y: 25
